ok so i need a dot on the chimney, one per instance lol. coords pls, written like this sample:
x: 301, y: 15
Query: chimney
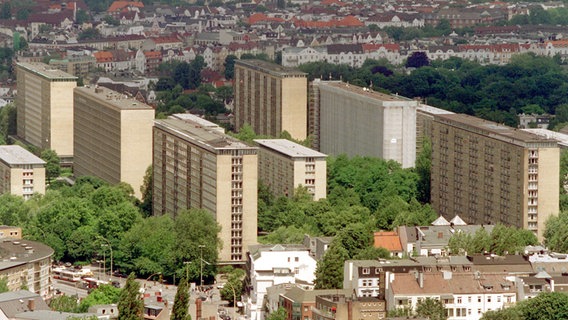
x: 31, y: 304
x: 420, y: 278
x: 159, y: 299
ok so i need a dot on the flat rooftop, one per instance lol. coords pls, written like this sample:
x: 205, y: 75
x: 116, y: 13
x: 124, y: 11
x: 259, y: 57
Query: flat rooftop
x: 115, y: 99
x: 500, y: 131
x: 206, y: 137
x: 549, y: 134
x: 270, y: 67
x: 364, y: 91
x: 46, y: 71
x: 432, y: 110
x: 289, y: 148
x: 15, y: 155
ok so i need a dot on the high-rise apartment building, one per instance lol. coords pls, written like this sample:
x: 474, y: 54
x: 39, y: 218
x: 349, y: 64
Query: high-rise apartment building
x: 271, y: 98
x: 45, y: 107
x: 21, y: 172
x: 113, y: 136
x: 490, y: 173
x: 198, y: 167
x: 284, y: 165
x: 358, y: 121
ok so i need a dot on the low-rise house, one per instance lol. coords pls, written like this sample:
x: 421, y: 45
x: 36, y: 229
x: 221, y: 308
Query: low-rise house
x: 390, y: 241
x: 299, y: 303
x: 269, y: 265
x: 464, y: 295
x: 341, y: 306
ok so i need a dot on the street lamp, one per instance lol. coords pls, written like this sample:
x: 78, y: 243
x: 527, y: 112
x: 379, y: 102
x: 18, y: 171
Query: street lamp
x: 201, y: 265
x: 110, y: 246
x: 187, y: 263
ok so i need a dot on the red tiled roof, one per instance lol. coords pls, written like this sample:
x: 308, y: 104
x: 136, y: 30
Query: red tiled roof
x: 118, y: 5
x: 260, y: 17
x: 350, y: 21
x: 388, y: 240
x: 103, y: 56
x: 331, y: 2
x: 153, y: 54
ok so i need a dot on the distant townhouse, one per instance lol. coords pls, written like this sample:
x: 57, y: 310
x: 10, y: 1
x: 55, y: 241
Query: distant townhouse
x: 284, y: 165
x: 300, y: 303
x: 160, y: 43
x: 351, y: 54
x: 271, y: 98
x: 45, y: 108
x: 21, y: 172
x: 395, y: 19
x: 361, y: 122
x: 368, y: 278
x: 112, y: 136
x: 490, y: 173
x: 460, y: 18
x: 79, y: 66
x: 344, y: 306
x: 464, y: 295
x: 269, y: 265
x: 121, y: 8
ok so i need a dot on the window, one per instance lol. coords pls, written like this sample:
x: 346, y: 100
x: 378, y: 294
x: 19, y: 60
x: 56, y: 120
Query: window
x: 366, y: 271
x: 478, y: 298
x: 469, y: 299
x: 498, y: 298
x: 296, y: 259
x: 296, y: 270
x: 488, y: 298
x: 459, y: 300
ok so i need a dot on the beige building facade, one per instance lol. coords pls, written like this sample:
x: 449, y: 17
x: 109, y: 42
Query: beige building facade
x: 45, y: 107
x: 197, y: 167
x: 271, y: 98
x: 21, y: 172
x: 490, y: 173
x: 358, y: 121
x: 113, y: 136
x: 284, y: 165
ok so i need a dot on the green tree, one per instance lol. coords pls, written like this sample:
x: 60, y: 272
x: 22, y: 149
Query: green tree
x: 23, y: 14
x: 431, y: 309
x: 197, y: 236
x: 6, y: 12
x: 545, y: 306
x: 181, y: 302
x: 512, y: 313
x: 233, y: 288
x: 417, y: 59
x: 329, y: 270
x: 4, y: 285
x: 279, y: 314
x: 130, y: 306
x: 64, y: 303
x: 104, y: 294
x: 89, y: 34
x: 52, y: 166
x: 423, y: 168
x: 147, y: 190
x: 81, y: 17
x: 148, y: 247
x: 230, y: 66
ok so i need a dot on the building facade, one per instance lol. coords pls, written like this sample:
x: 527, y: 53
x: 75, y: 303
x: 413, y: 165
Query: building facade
x: 45, y: 107
x: 113, y: 136
x: 284, y: 165
x: 21, y: 172
x: 29, y: 265
x: 196, y: 167
x: 489, y: 173
x: 270, y: 98
x: 361, y: 122
x: 270, y: 265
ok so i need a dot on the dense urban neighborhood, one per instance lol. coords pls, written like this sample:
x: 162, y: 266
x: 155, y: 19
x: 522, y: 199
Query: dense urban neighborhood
x: 283, y: 160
